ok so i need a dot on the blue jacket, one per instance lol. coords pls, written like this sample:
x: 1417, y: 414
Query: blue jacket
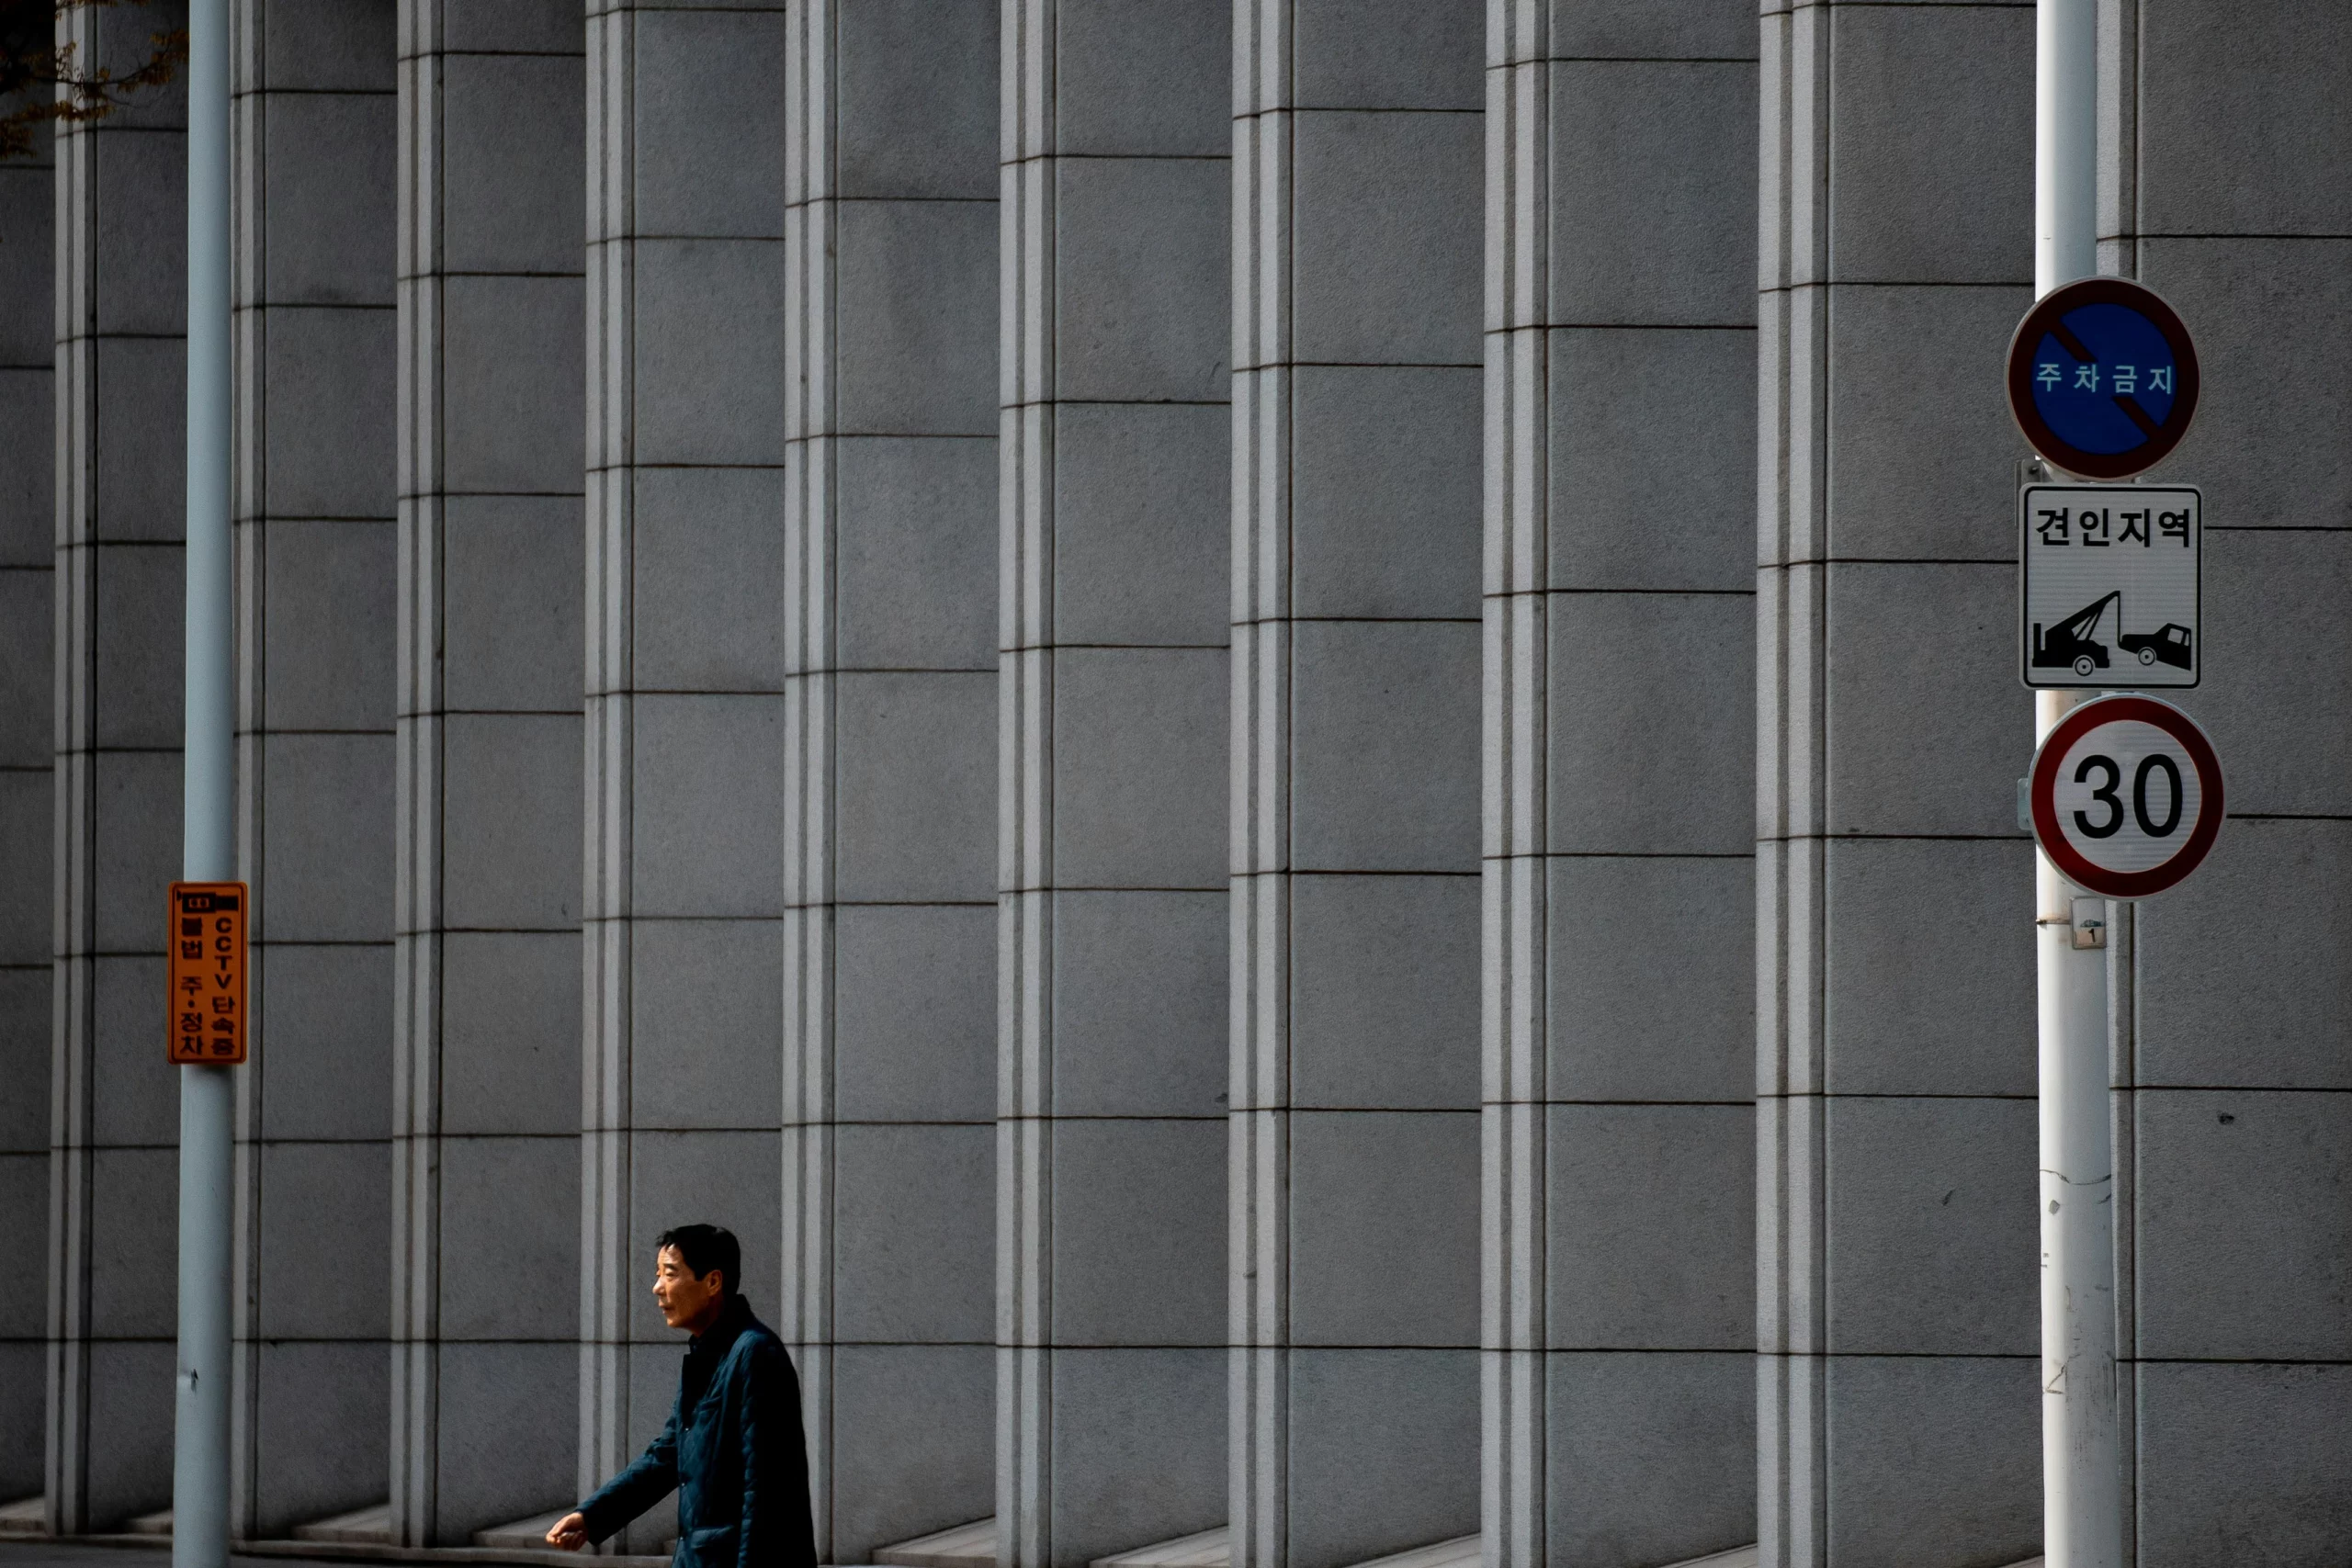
x: 733, y: 1452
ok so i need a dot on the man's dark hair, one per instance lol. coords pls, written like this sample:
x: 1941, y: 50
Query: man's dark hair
x: 705, y: 1247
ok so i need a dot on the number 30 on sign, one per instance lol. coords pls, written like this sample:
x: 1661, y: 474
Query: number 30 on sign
x: 2126, y: 793
x: 208, y: 973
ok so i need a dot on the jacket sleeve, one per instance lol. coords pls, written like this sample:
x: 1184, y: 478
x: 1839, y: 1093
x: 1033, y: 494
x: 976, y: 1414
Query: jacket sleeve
x: 777, y: 1531
x: 652, y: 1477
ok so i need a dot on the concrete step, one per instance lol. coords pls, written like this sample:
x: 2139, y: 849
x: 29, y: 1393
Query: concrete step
x: 1459, y: 1553
x: 1209, y: 1549
x: 156, y: 1523
x: 1213, y: 1549
x: 964, y: 1546
x: 544, y: 1556
x: 522, y: 1535
x: 26, y: 1515
x: 1749, y: 1556
x: 368, y: 1526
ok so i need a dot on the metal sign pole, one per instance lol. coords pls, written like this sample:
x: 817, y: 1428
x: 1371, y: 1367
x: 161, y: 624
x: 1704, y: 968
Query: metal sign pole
x: 2082, y: 1484
x: 201, y: 1433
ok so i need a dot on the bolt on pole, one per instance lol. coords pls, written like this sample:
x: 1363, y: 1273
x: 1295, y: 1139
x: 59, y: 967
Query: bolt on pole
x: 2081, y: 1454
x: 200, y: 1423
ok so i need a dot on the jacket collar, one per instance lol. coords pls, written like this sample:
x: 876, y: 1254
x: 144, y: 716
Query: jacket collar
x: 733, y: 1318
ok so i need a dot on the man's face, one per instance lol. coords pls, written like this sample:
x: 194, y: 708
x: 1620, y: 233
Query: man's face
x: 686, y: 1302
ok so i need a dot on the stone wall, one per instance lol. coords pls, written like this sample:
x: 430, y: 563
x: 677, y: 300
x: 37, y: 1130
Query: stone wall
x: 119, y: 391
x: 2237, y: 1122
x: 1111, y: 779
x: 313, y: 137
x: 1369, y: 1081
x: 27, y: 802
x: 1619, y: 892
x: 889, y: 752
x: 483, y: 1038
x: 1354, y: 1185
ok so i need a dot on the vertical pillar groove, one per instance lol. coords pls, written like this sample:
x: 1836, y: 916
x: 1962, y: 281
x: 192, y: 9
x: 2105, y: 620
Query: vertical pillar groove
x: 1025, y: 786
x: 417, y: 917
x: 73, y: 969
x: 1515, y: 934
x: 2118, y: 196
x: 806, y: 1313
x: 606, y: 1114
x: 73, y: 850
x: 1258, y: 1126
x: 249, y: 341
x: 1792, y: 754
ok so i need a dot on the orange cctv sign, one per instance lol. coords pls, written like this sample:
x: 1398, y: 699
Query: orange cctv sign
x: 207, y: 971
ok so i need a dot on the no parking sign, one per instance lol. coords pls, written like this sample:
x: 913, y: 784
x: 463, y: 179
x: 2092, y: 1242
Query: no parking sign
x: 2126, y: 796
x: 2103, y: 377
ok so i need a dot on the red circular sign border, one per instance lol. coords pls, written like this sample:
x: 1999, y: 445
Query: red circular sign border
x: 2038, y: 434
x: 2043, y: 795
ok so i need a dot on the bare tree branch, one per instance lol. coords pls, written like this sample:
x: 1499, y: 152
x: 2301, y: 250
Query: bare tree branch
x: 31, y: 60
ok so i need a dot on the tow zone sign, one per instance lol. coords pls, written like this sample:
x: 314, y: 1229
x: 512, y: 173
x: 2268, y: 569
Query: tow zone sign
x: 2110, y: 585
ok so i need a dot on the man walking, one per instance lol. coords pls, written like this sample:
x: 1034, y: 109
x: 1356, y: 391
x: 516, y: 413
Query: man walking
x: 733, y: 1450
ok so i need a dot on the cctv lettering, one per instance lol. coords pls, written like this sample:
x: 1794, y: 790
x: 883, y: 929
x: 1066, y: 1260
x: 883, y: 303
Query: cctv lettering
x: 2122, y: 381
x: 223, y: 944
x: 2094, y: 527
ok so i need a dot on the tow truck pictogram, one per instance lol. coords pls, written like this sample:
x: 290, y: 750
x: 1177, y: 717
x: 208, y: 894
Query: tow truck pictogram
x: 2069, y: 644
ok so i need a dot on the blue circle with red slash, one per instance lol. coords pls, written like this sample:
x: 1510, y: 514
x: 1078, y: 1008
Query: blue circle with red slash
x: 2103, y: 377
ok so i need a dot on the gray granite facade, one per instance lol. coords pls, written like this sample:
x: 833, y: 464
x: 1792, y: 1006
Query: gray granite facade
x: 28, y: 801
x: 313, y: 142
x: 1094, y: 667
x: 119, y: 394
x: 1353, y: 1184
x: 889, y: 764
x: 1619, y: 611
x: 2238, y: 1109
x: 1112, y: 457
x: 684, y: 883
x: 1895, y: 1059
x: 486, y: 1043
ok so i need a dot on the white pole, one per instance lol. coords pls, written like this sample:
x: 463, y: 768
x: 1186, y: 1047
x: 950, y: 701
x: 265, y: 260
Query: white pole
x: 200, y: 1436
x: 2065, y: 142
x: 2082, y: 1489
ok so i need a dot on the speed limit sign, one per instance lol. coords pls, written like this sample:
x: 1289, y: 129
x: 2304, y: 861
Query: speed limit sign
x: 2126, y: 796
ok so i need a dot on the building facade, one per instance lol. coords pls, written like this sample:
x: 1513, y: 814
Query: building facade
x: 1278, y: 734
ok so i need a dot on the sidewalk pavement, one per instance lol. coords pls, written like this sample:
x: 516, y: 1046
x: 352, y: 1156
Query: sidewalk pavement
x: 74, y: 1554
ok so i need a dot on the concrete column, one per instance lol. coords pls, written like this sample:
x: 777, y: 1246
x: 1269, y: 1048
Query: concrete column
x: 685, y: 381
x: 487, y: 922
x: 1110, y: 1033
x: 2238, y: 1096
x: 889, y: 535
x: 114, y: 1126
x: 313, y: 142
x: 27, y: 706
x: 1899, y: 1415
x: 1354, y: 1211
x: 1619, y: 437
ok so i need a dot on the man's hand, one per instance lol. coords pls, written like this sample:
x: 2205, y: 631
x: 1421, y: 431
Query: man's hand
x: 570, y: 1532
